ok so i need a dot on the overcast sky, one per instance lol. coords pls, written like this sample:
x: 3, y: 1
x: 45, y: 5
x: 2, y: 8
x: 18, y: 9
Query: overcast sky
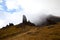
x: 11, y: 11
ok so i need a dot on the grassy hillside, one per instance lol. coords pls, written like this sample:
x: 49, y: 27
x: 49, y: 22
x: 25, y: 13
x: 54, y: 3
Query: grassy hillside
x: 51, y: 32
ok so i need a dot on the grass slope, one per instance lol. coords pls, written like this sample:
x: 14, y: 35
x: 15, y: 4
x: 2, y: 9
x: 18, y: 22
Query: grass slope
x: 51, y: 32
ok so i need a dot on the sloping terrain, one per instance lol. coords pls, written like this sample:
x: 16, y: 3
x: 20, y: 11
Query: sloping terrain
x: 51, y: 19
x: 13, y: 30
x: 51, y: 32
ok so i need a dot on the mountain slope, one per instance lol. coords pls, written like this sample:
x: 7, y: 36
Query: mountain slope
x: 51, y: 32
x: 50, y: 20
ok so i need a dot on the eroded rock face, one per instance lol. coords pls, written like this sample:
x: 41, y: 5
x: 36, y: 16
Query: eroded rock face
x: 24, y: 19
x: 25, y: 22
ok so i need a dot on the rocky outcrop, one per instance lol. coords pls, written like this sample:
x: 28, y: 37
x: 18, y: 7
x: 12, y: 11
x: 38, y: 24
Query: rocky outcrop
x: 25, y: 22
x: 50, y: 20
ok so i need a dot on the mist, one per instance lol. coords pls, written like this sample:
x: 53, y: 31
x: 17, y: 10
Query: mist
x: 36, y: 11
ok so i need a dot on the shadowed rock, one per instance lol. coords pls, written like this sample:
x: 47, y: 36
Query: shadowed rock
x: 11, y: 24
x: 25, y: 22
x: 50, y: 20
x: 24, y: 19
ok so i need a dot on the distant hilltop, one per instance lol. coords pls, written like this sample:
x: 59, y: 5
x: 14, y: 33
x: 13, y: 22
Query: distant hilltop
x: 50, y: 30
x: 50, y: 20
x: 24, y: 22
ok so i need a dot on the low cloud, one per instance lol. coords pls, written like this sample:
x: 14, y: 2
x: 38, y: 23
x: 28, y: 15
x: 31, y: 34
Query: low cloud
x: 11, y: 11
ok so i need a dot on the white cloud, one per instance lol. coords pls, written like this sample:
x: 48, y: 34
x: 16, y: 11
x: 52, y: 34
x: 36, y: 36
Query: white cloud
x: 0, y: 1
x: 33, y: 9
x: 2, y: 23
x: 1, y: 7
x: 11, y: 4
x: 14, y: 18
x: 35, y: 6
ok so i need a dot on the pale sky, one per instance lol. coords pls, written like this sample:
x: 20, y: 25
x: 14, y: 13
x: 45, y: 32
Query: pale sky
x: 11, y: 11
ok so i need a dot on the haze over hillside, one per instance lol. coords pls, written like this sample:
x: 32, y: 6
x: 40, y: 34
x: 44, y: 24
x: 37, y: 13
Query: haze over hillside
x: 11, y: 11
x: 48, y: 30
x: 29, y: 19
